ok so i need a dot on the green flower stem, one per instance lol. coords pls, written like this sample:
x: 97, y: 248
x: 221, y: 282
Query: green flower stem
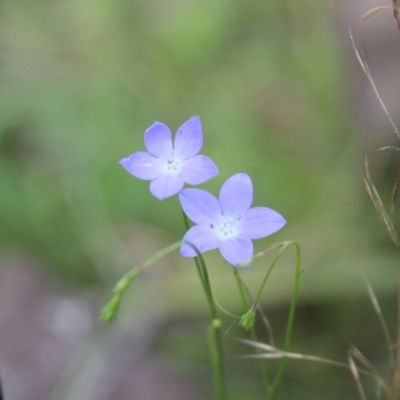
x: 289, y: 326
x: 216, y: 351
x: 253, y: 333
x: 214, y: 336
x: 109, y: 312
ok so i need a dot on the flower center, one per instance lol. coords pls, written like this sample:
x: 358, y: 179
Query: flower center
x: 228, y: 228
x: 172, y: 165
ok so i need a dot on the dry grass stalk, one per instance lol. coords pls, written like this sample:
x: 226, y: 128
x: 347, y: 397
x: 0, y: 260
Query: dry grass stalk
x: 367, y: 72
x: 271, y: 352
x: 356, y: 377
x: 395, y: 8
x: 393, y: 391
x: 375, y: 10
x: 378, y: 204
x: 378, y: 311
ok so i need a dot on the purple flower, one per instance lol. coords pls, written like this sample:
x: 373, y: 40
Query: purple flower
x: 169, y: 165
x: 228, y: 223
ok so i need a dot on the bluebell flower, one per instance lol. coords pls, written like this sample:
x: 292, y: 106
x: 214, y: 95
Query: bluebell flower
x: 169, y: 165
x: 227, y: 224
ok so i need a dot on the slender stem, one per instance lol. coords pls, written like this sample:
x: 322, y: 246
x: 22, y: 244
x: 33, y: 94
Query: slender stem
x: 109, y: 312
x: 216, y: 345
x: 253, y: 332
x: 289, y: 326
x: 284, y: 246
x: 215, y: 336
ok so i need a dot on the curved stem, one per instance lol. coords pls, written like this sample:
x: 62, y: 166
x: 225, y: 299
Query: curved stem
x: 284, y: 246
x: 289, y: 326
x: 253, y: 332
x: 109, y: 312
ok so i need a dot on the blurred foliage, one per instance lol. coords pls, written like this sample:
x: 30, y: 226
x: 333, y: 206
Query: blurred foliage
x: 80, y: 82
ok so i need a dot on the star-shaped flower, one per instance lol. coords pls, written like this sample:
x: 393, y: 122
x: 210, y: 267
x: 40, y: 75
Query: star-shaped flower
x: 228, y: 223
x: 169, y: 165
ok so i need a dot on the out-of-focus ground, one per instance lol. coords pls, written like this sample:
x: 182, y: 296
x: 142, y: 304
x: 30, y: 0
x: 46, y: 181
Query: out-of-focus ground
x: 281, y: 97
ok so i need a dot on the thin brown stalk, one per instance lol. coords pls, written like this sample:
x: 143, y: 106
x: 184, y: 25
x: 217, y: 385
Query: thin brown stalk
x: 356, y: 377
x: 394, y: 391
x: 378, y: 311
x: 375, y: 10
x: 395, y: 9
x: 271, y: 352
x: 378, y: 204
x: 357, y: 354
x: 367, y: 72
x: 354, y: 353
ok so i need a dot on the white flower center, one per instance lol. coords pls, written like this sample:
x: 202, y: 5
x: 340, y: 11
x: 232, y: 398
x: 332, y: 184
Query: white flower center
x: 228, y: 228
x: 172, y: 165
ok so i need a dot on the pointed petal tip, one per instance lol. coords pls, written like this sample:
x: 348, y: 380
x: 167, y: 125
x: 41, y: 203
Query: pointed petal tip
x: 123, y: 161
x: 189, y: 138
x: 155, y: 124
x: 281, y: 220
x: 237, y: 251
x: 158, y: 197
x: 158, y: 139
x: 195, y: 118
x: 236, y: 194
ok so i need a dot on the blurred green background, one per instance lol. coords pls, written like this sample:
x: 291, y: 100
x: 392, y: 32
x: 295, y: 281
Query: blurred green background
x: 280, y: 97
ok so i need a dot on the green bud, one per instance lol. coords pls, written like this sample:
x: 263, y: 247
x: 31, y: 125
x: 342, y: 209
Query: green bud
x: 247, y: 320
x: 109, y: 312
x: 216, y: 323
x: 121, y: 285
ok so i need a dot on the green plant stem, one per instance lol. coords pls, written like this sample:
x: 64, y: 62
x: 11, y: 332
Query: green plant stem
x: 290, y: 322
x: 289, y: 326
x: 253, y: 332
x: 110, y: 311
x: 214, y: 336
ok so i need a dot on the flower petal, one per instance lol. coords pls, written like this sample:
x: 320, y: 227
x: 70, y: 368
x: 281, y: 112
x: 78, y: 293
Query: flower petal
x: 142, y: 165
x: 236, y: 195
x: 166, y: 186
x: 158, y: 140
x: 198, y: 169
x: 237, y: 250
x: 188, y: 139
x: 259, y: 222
x: 200, y: 236
x: 200, y: 206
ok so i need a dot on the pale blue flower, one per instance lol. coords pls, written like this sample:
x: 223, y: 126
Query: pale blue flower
x: 228, y: 223
x: 169, y: 165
